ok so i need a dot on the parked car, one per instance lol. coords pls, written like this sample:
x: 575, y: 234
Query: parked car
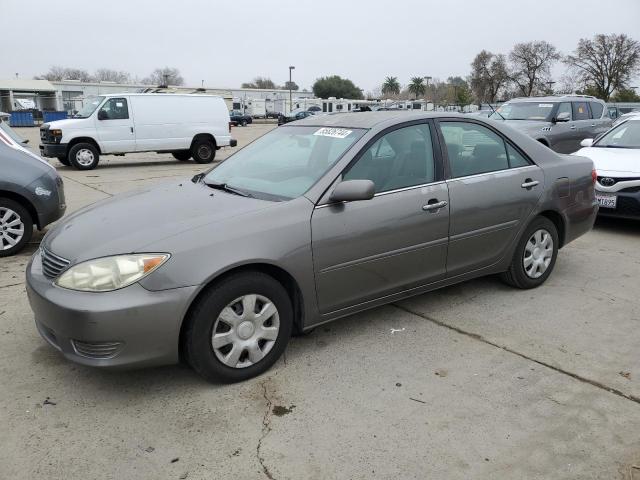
x: 273, y: 114
x: 625, y: 116
x: 293, y: 116
x: 559, y: 122
x: 6, y: 128
x: 314, y: 221
x: 238, y: 118
x: 31, y: 194
x: 616, y: 156
x: 187, y: 126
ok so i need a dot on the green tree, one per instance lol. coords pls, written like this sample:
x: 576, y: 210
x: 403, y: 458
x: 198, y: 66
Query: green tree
x: 625, y: 95
x: 391, y: 86
x: 606, y: 62
x: 336, y: 86
x: 417, y: 87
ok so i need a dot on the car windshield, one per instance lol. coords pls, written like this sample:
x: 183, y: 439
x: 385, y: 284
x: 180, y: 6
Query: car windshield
x: 4, y: 126
x: 90, y: 105
x: 540, y: 111
x: 284, y: 163
x: 625, y: 135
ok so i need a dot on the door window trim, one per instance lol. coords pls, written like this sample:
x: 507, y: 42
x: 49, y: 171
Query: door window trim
x: 506, y: 141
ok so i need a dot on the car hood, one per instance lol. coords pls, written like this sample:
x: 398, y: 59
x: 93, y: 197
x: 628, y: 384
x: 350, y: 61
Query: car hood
x: 69, y: 123
x: 528, y: 125
x: 128, y: 222
x: 614, y: 162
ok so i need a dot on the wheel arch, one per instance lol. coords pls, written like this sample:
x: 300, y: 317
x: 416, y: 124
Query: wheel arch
x: 77, y: 140
x: 204, y: 136
x: 25, y: 202
x: 559, y: 223
x: 279, y: 274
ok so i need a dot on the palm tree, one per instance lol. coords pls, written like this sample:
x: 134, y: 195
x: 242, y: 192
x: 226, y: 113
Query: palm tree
x: 391, y: 86
x: 416, y: 86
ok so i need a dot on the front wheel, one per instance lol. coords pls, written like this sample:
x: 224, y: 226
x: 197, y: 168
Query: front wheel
x: 244, y: 123
x: 16, y: 227
x: 239, y: 328
x: 535, y: 255
x: 84, y: 156
x: 203, y: 151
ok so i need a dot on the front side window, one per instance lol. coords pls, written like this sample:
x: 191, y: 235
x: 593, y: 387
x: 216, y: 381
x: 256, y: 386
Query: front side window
x: 580, y: 111
x: 625, y: 135
x: 284, y: 163
x: 399, y: 159
x: 115, y: 109
x: 473, y: 149
x: 564, y: 110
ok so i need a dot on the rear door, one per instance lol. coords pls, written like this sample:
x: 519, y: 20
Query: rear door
x: 600, y: 121
x: 493, y: 188
x: 397, y: 240
x: 116, y: 129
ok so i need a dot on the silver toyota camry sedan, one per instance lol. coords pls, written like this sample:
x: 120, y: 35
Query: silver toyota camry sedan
x: 314, y: 221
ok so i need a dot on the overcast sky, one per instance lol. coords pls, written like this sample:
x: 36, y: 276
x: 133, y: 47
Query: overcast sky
x: 226, y: 43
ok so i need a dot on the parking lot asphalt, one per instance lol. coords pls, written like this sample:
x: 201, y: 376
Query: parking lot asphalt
x: 474, y: 381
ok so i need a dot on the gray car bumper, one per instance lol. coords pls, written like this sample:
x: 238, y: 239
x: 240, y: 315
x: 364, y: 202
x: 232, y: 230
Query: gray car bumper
x: 131, y: 327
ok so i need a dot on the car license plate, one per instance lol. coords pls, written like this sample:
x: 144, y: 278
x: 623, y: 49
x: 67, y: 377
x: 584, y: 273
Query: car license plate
x: 606, y: 200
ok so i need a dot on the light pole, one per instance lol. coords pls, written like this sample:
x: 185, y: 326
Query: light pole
x: 290, y: 85
x: 550, y: 83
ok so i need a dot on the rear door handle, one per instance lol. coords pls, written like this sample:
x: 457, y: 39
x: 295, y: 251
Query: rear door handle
x: 573, y: 127
x: 435, y: 206
x: 528, y: 183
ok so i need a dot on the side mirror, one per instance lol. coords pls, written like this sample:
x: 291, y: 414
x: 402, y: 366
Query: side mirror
x: 353, y: 190
x: 563, y: 117
x: 102, y: 115
x: 587, y: 142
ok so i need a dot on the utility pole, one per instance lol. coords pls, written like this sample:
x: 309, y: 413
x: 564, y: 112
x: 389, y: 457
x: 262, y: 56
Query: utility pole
x: 290, y: 85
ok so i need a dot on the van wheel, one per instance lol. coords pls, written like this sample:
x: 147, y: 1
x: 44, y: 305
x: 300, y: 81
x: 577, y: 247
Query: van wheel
x: 182, y: 155
x: 203, y: 151
x: 239, y: 328
x: 64, y: 161
x: 84, y: 156
x: 16, y: 227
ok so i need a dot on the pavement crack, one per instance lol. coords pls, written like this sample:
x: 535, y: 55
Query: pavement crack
x: 482, y: 339
x: 11, y: 285
x: 87, y: 185
x: 266, y: 429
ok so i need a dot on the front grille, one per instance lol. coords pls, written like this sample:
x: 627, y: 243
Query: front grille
x: 45, y: 135
x: 628, y: 206
x: 631, y: 189
x: 97, y: 350
x: 52, y: 265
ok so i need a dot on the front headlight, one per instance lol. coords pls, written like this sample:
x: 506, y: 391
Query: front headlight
x: 110, y: 273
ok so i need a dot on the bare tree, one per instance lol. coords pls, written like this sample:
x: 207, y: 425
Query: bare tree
x: 531, y: 65
x: 58, y: 73
x: 164, y: 76
x: 264, y: 83
x: 108, y: 75
x: 606, y: 62
x: 488, y: 75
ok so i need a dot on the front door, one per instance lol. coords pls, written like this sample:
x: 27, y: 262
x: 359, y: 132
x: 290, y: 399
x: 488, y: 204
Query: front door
x: 564, y: 135
x: 493, y: 188
x: 114, y: 123
x: 395, y: 241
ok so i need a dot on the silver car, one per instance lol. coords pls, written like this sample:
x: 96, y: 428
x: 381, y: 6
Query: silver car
x: 316, y: 220
x: 559, y: 122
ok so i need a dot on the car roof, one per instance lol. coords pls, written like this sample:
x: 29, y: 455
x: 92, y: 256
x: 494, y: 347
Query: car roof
x: 132, y: 94
x: 368, y: 119
x: 556, y: 98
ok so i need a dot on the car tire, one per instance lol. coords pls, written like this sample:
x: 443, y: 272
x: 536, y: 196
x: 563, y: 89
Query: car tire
x: 246, y: 353
x: 182, y: 155
x: 16, y: 227
x: 84, y: 156
x: 64, y: 161
x: 535, y: 255
x: 203, y: 151
x: 244, y: 123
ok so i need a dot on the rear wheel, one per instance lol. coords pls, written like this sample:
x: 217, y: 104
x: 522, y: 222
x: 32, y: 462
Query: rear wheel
x: 203, y: 151
x: 16, y: 227
x: 535, y: 255
x: 84, y: 156
x: 239, y: 328
x: 182, y: 155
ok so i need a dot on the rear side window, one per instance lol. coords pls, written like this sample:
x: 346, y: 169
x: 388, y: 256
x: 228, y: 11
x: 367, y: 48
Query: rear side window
x: 580, y: 111
x: 515, y: 158
x: 596, y: 109
x: 473, y: 149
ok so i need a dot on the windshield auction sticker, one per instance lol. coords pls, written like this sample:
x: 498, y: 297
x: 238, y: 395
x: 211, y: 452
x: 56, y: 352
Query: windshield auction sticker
x: 333, y: 132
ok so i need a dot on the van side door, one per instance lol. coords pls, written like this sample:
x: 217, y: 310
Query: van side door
x: 114, y: 124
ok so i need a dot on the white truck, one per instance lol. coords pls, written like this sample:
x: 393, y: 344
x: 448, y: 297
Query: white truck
x: 187, y: 126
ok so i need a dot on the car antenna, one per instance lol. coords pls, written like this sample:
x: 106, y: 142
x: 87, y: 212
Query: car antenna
x: 495, y: 111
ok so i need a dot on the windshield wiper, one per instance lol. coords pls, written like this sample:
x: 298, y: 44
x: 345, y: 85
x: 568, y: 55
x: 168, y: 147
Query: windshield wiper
x: 227, y: 188
x: 495, y: 111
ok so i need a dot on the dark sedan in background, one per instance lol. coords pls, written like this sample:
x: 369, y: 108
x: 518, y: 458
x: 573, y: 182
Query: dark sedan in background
x: 313, y: 221
x: 236, y: 117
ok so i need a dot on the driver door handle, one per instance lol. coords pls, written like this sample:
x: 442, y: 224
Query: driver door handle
x: 528, y: 183
x: 435, y: 206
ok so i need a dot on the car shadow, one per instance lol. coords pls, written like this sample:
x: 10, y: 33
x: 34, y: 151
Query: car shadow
x: 617, y: 225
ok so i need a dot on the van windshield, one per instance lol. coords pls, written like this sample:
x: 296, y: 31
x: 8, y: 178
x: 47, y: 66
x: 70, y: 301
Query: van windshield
x: 90, y: 105
x: 284, y: 163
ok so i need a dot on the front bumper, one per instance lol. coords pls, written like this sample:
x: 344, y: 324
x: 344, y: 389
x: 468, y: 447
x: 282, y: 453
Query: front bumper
x: 53, y: 150
x: 131, y: 327
x: 627, y: 206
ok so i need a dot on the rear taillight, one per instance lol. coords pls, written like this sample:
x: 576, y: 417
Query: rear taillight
x: 594, y: 176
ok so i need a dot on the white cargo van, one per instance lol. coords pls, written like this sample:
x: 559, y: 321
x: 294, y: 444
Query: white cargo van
x: 187, y: 126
